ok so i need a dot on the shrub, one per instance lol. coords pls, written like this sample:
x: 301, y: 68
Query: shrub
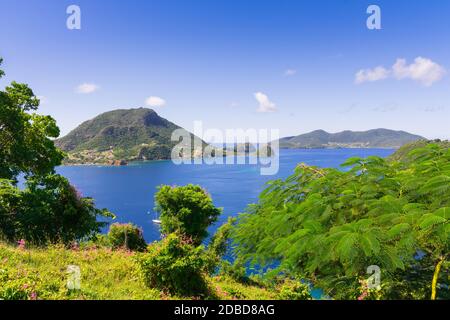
x: 48, y: 210
x: 294, y: 290
x: 235, y: 271
x: 126, y: 236
x: 175, y: 266
x: 188, y: 210
x: 52, y: 210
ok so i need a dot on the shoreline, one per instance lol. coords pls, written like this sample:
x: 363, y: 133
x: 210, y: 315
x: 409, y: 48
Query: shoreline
x: 135, y: 162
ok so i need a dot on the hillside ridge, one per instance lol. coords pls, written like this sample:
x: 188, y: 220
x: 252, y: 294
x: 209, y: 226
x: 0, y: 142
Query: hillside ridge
x: 374, y: 138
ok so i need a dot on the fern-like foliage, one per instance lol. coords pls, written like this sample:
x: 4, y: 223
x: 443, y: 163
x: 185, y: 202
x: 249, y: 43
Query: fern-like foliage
x: 328, y: 225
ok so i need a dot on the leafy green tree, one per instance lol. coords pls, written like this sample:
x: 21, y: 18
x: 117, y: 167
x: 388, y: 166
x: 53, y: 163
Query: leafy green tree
x: 49, y: 209
x: 9, y: 197
x: 188, y: 210
x: 174, y: 265
x: 328, y: 226
x: 25, y: 136
x: 179, y: 263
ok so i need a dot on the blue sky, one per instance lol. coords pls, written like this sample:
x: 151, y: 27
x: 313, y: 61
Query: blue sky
x: 212, y: 60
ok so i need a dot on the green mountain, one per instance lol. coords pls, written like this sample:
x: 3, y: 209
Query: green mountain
x: 120, y: 136
x: 376, y: 138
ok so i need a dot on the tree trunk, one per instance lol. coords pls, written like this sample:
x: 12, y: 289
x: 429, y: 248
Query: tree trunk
x: 435, y: 278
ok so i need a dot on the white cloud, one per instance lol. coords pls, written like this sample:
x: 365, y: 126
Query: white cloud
x: 234, y: 104
x: 422, y: 70
x: 370, y: 75
x: 155, y: 102
x: 86, y: 88
x: 265, y: 105
x: 290, y: 72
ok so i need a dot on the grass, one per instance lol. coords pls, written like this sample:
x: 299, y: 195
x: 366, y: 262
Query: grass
x: 41, y: 273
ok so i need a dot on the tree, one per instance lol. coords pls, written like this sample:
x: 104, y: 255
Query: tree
x: 25, y: 136
x: 179, y: 262
x: 327, y: 226
x: 174, y: 265
x: 49, y: 209
x: 188, y: 210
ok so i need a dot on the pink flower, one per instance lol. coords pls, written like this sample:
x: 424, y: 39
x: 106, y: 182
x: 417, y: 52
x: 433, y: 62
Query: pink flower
x: 21, y: 244
x: 33, y: 296
x: 363, y: 295
x: 75, y: 246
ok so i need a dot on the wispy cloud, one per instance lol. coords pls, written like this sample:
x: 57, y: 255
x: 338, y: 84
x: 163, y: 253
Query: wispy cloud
x: 234, y: 104
x: 86, y: 88
x: 154, y: 101
x: 265, y: 105
x: 387, y: 107
x: 349, y: 109
x: 370, y: 75
x: 422, y: 70
x: 434, y: 109
x: 290, y: 72
x: 358, y: 108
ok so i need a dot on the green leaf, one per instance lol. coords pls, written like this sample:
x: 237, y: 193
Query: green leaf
x: 443, y: 212
x: 431, y: 220
x: 398, y: 229
x: 352, y: 161
x: 395, y: 261
x: 370, y: 244
x: 436, y: 185
x: 346, y: 246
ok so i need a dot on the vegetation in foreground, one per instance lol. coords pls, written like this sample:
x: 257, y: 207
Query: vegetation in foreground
x: 42, y: 273
x: 328, y: 226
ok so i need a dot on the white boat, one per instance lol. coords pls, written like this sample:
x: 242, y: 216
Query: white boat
x: 156, y: 220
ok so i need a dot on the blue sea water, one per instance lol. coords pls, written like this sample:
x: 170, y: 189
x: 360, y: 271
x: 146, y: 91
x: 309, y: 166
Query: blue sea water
x: 128, y: 191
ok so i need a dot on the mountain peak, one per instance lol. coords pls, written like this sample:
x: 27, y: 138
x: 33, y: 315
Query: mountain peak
x: 121, y: 134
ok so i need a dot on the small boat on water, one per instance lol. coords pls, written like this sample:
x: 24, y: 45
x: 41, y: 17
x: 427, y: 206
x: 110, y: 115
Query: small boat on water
x: 156, y: 220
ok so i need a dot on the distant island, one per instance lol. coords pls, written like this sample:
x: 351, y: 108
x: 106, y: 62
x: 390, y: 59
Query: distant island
x: 376, y: 138
x: 120, y: 136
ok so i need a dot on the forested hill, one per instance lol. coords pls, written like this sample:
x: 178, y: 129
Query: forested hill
x: 120, y: 136
x: 376, y: 138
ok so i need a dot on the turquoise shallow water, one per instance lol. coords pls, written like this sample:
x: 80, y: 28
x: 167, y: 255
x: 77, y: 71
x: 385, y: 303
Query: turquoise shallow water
x: 128, y: 191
